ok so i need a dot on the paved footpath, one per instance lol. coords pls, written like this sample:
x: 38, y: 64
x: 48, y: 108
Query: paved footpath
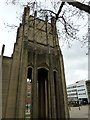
x: 83, y: 112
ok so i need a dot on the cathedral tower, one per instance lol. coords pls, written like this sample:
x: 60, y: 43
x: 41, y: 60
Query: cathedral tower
x: 36, y: 56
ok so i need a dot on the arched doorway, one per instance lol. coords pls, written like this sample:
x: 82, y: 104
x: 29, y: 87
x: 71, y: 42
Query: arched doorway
x: 42, y: 93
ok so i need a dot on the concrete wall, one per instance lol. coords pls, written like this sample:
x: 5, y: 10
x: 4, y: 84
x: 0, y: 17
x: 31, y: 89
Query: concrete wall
x: 6, y: 70
x: 40, y: 31
x: 0, y: 86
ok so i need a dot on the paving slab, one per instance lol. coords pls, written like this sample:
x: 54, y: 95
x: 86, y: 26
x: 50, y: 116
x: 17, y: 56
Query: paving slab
x: 82, y: 112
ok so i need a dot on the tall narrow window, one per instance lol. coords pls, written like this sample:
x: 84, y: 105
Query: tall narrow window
x: 29, y: 75
x: 28, y: 93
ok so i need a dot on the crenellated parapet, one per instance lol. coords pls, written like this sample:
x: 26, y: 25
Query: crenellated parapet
x: 36, y: 29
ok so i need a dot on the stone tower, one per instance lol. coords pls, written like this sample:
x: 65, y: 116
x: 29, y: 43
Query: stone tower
x: 37, y: 56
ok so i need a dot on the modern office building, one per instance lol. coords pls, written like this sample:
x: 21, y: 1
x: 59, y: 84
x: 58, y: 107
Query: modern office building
x: 88, y: 89
x: 79, y: 91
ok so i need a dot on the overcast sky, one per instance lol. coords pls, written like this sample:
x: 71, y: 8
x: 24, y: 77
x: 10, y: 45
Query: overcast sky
x: 75, y: 58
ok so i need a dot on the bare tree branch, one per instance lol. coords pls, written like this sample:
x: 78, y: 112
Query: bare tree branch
x: 60, y: 8
x: 45, y: 10
x: 70, y: 26
x: 81, y: 6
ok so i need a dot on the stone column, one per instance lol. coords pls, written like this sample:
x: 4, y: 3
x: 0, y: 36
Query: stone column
x: 57, y: 93
x: 53, y: 24
x: 34, y: 88
x: 21, y: 95
x: 52, y: 89
x: 61, y: 95
x: 49, y: 96
x: 47, y: 32
x: 64, y: 88
x: 22, y: 78
x: 46, y: 98
x: 34, y: 80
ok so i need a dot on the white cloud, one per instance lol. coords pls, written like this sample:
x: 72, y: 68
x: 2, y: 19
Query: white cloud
x: 75, y: 62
